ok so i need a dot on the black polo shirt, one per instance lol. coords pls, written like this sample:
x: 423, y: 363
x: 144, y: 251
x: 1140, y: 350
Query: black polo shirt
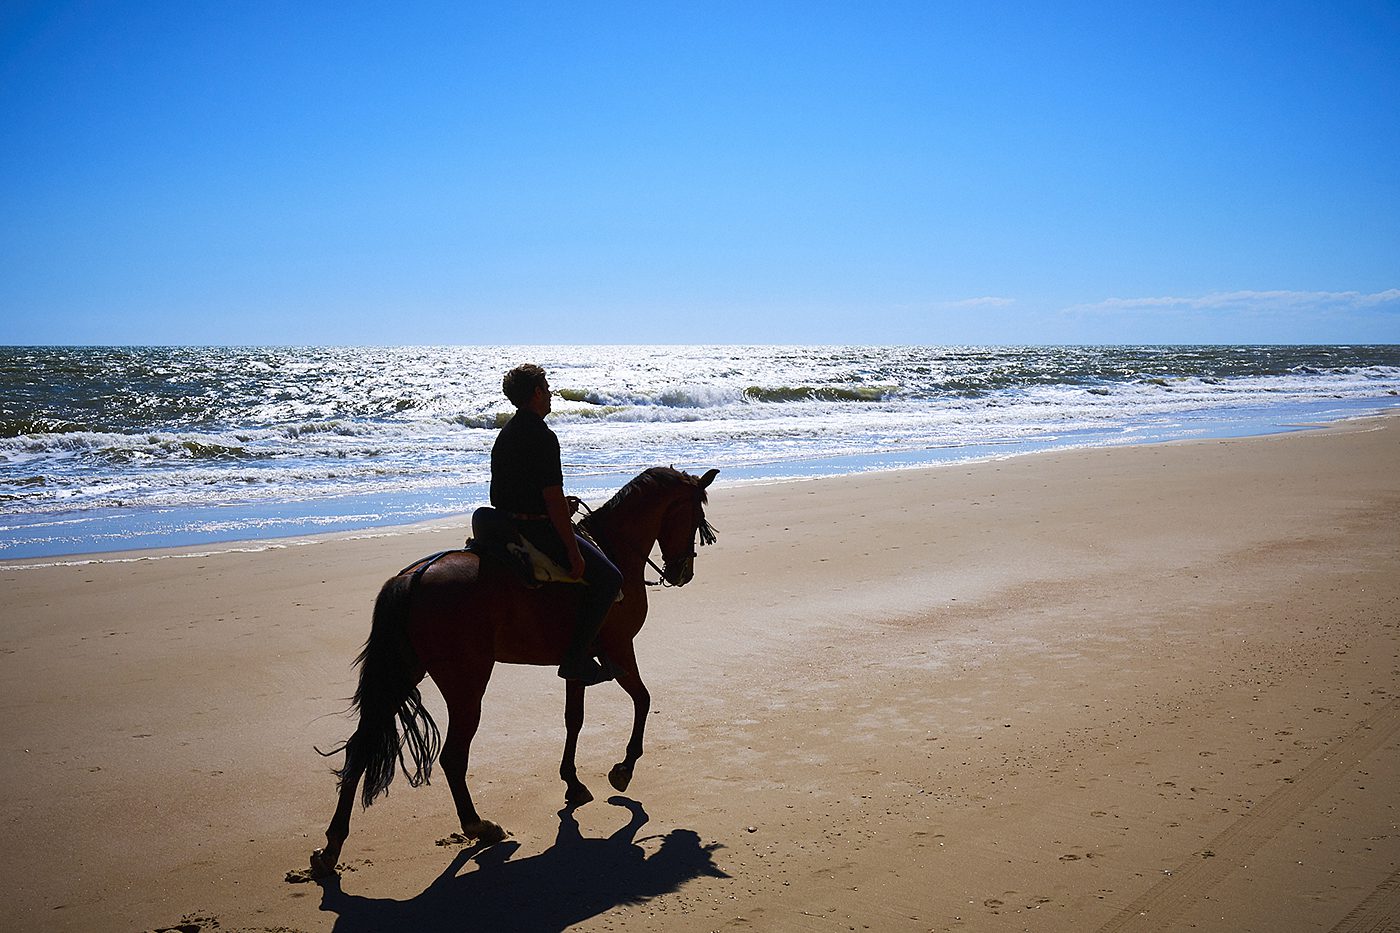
x: 524, y: 462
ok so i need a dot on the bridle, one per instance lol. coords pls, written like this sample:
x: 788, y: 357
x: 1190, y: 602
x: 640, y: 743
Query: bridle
x: 702, y: 529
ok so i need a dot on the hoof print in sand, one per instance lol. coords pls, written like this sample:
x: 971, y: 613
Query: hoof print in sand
x: 460, y: 839
x: 307, y: 875
x: 456, y: 839
x: 189, y: 924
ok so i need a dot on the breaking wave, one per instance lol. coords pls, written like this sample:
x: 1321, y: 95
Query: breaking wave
x: 141, y: 430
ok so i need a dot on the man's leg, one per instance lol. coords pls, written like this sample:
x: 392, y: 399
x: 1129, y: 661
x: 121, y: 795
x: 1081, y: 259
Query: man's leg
x: 601, y: 581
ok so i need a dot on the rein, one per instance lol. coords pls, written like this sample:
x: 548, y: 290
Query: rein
x: 590, y: 532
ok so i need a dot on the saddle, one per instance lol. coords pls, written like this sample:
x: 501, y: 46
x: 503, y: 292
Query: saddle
x: 534, y: 567
x: 495, y: 537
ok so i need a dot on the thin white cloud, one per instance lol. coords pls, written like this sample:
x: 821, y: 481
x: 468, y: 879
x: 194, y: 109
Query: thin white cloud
x: 986, y: 301
x: 1254, y: 302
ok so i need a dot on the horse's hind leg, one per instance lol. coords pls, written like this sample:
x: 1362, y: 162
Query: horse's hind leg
x: 625, y: 659
x: 576, y: 794
x: 323, y: 861
x: 463, y: 717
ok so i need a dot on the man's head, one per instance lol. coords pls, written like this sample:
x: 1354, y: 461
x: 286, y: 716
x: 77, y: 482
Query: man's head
x: 522, y: 385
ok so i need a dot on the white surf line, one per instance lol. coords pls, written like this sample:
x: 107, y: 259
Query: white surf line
x: 238, y: 549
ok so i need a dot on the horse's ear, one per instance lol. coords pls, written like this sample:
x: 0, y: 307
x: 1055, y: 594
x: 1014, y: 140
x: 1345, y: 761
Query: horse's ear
x: 708, y: 478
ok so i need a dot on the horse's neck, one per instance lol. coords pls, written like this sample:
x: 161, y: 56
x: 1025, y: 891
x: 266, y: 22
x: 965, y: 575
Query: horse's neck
x: 630, y: 534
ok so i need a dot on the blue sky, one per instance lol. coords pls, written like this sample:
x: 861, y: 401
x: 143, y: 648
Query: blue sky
x: 460, y: 173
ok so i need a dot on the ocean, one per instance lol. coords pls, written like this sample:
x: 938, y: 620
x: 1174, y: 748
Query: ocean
x: 118, y: 448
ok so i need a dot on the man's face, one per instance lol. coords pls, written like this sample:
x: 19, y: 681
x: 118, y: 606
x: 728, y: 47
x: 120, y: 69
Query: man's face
x: 544, y: 399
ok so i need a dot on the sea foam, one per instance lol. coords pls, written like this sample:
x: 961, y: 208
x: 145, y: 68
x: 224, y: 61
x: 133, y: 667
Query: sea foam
x: 188, y: 445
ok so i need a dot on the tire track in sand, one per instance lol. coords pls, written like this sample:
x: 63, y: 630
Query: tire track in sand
x: 1169, y: 898
x: 1379, y: 913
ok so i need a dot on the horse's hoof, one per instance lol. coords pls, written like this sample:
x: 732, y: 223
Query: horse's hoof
x: 620, y: 776
x: 485, y: 832
x: 577, y: 796
x: 322, y: 865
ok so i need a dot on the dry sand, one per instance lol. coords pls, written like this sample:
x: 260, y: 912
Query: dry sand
x: 1147, y: 688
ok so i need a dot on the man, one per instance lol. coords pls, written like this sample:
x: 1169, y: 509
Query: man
x: 527, y: 486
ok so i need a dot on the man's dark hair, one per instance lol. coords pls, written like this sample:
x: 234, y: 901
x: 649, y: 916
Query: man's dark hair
x: 520, y: 383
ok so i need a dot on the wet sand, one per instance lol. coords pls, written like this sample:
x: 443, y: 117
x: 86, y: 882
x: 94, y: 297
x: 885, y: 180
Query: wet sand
x: 1148, y: 688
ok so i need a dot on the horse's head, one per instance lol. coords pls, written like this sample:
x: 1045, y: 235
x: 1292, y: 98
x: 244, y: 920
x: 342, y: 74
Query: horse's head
x: 682, y: 522
x: 662, y: 506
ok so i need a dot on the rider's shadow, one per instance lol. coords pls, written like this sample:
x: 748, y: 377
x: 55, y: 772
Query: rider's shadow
x: 573, y: 880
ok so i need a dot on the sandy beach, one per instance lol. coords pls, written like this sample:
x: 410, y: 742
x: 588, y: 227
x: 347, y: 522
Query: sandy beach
x: 1139, y: 688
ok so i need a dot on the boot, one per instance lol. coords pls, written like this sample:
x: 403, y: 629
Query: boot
x: 584, y: 669
x: 579, y: 664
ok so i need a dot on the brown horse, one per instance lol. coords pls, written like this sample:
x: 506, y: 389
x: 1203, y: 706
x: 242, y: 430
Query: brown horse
x: 454, y: 616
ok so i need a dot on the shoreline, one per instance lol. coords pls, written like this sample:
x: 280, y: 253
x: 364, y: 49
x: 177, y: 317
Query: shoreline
x: 926, y: 699
x: 919, y: 460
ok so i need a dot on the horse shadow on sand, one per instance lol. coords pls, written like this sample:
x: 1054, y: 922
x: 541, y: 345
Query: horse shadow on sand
x: 575, y: 879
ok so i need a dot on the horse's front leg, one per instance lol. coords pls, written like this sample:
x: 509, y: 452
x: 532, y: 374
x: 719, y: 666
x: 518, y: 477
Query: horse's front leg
x: 621, y: 774
x: 575, y: 794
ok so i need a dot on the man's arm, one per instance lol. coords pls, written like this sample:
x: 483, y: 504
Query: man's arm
x: 559, y: 516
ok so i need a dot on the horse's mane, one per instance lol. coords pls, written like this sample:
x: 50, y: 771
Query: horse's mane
x: 658, y: 478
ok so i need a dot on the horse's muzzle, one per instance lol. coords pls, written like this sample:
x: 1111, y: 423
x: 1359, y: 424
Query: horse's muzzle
x: 680, y: 575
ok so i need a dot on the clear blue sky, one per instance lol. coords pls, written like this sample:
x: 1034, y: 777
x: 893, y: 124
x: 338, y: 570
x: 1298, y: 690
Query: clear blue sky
x: 923, y: 172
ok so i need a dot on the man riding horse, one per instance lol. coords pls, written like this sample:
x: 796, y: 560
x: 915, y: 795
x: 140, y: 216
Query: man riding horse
x: 453, y: 616
x: 527, y: 496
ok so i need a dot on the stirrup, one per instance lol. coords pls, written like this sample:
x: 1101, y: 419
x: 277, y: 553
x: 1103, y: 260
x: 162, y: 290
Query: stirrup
x: 518, y: 563
x: 609, y: 668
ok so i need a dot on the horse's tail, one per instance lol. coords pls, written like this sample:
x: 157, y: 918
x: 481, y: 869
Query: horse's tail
x: 388, y: 690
